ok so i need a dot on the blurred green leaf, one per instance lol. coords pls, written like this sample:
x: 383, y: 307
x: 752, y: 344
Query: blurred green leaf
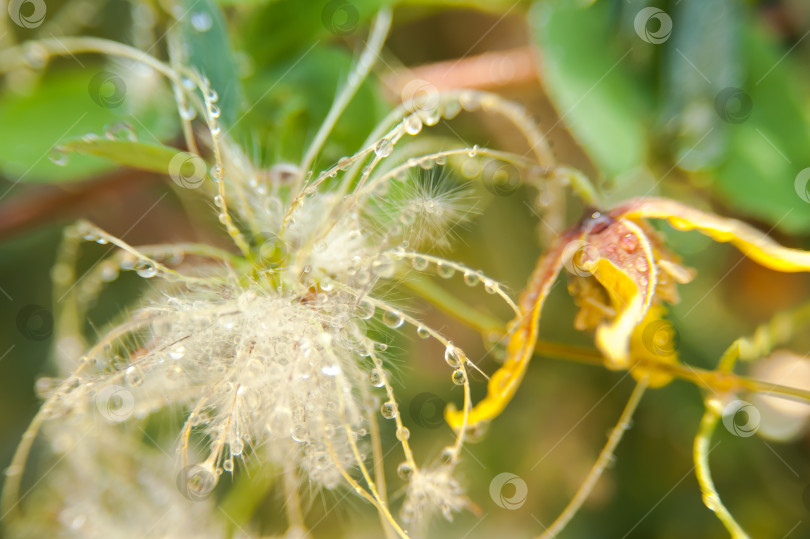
x: 769, y: 148
x: 125, y: 152
x: 72, y: 103
x: 292, y: 99
x: 283, y: 30
x: 702, y: 58
x: 586, y: 75
x: 206, y: 41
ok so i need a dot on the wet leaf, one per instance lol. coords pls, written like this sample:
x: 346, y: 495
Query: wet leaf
x: 206, y: 41
x: 70, y: 104
x: 125, y: 152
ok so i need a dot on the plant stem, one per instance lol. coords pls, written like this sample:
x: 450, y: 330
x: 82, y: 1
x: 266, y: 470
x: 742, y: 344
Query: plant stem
x: 601, y: 463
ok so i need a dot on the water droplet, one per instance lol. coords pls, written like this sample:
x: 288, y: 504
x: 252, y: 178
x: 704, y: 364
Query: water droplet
x: 405, y: 470
x: 237, y: 446
x: 35, y: 54
x: 109, y: 272
x: 430, y: 117
x: 202, y: 21
x: 629, y: 242
x: 187, y: 112
x: 413, y: 124
x: 473, y: 151
x: 389, y: 410
x: 145, y: 268
x: 45, y: 386
x: 712, y: 501
x: 214, y: 111
x: 470, y: 168
x: 459, y: 377
x: 280, y: 422
x: 384, y: 267
x: 174, y: 373
x: 364, y: 310
x: 188, y: 83
x: 133, y: 377
x: 422, y: 332
x: 363, y: 276
x: 451, y: 109
x: 227, y: 465
x: 58, y: 157
x: 642, y: 266
x: 384, y: 148
x: 453, y: 356
x: 375, y: 378
x: 200, y: 482
x: 392, y: 320
x: 447, y: 456
x: 331, y: 370
x: 490, y: 286
x: 300, y: 433
x: 471, y: 278
x: 218, y: 201
x: 403, y: 434
x: 445, y: 271
x: 177, y: 352
x: 120, y: 131
x: 419, y: 263
x: 468, y: 100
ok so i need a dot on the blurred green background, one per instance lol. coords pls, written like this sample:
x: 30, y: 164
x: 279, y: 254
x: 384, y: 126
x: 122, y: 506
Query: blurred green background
x: 702, y: 101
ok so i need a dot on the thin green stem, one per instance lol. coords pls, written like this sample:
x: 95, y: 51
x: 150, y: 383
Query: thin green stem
x: 700, y: 453
x: 379, y: 30
x: 600, y: 465
x: 452, y: 305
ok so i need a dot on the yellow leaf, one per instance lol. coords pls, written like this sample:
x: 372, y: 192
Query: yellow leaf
x: 751, y: 242
x: 504, y: 382
x: 654, y: 342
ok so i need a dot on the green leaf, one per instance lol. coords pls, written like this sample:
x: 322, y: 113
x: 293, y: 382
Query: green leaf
x: 205, y: 37
x: 586, y: 74
x: 283, y: 30
x: 69, y: 104
x: 292, y: 99
x: 701, y: 59
x: 770, y: 148
x: 125, y: 152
